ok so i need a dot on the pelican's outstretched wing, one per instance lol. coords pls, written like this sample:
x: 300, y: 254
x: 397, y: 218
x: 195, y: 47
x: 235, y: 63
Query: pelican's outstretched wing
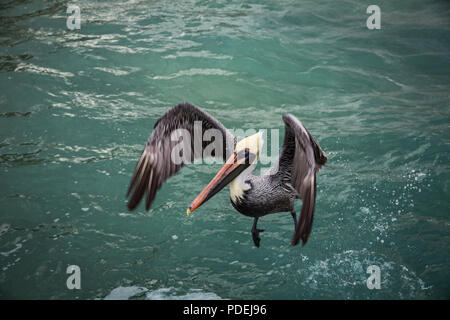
x: 156, y: 164
x: 300, y: 158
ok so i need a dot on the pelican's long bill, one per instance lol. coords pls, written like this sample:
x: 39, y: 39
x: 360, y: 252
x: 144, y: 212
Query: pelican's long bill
x: 232, y: 168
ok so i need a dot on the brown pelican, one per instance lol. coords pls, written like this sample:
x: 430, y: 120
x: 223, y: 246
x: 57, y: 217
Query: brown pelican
x: 293, y: 177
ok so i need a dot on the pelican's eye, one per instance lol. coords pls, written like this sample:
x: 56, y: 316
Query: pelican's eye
x: 247, y: 155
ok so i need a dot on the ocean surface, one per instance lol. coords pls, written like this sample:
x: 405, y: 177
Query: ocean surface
x: 77, y: 107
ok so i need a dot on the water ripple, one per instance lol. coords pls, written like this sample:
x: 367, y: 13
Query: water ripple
x: 77, y: 106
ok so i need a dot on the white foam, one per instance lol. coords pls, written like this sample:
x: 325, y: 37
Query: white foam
x: 170, y: 294
x: 124, y: 293
x: 7, y: 253
x: 123, y: 214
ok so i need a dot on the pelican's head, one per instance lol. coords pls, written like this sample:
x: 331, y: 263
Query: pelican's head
x: 246, y: 154
x: 254, y: 145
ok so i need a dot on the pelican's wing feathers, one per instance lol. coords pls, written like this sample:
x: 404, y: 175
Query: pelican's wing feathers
x: 155, y: 165
x: 300, y: 158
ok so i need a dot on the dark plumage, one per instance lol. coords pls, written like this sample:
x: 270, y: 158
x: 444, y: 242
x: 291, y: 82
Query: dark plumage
x: 293, y: 177
x: 155, y: 165
x: 300, y: 159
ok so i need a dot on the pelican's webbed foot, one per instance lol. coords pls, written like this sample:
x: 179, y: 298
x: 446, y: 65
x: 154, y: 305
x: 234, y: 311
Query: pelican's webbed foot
x: 255, y: 233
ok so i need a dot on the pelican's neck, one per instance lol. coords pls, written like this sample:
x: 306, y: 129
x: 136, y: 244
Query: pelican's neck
x: 238, y: 185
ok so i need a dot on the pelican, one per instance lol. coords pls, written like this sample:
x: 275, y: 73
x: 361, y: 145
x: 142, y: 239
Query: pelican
x: 292, y: 177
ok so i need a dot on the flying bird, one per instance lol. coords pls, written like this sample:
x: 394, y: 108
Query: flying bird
x: 292, y: 177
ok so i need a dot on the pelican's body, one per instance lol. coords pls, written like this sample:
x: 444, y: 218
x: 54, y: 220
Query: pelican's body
x: 266, y: 195
x: 293, y: 177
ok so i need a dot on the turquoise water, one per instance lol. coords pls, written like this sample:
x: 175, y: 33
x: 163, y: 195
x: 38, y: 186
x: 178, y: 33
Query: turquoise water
x: 76, y: 108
